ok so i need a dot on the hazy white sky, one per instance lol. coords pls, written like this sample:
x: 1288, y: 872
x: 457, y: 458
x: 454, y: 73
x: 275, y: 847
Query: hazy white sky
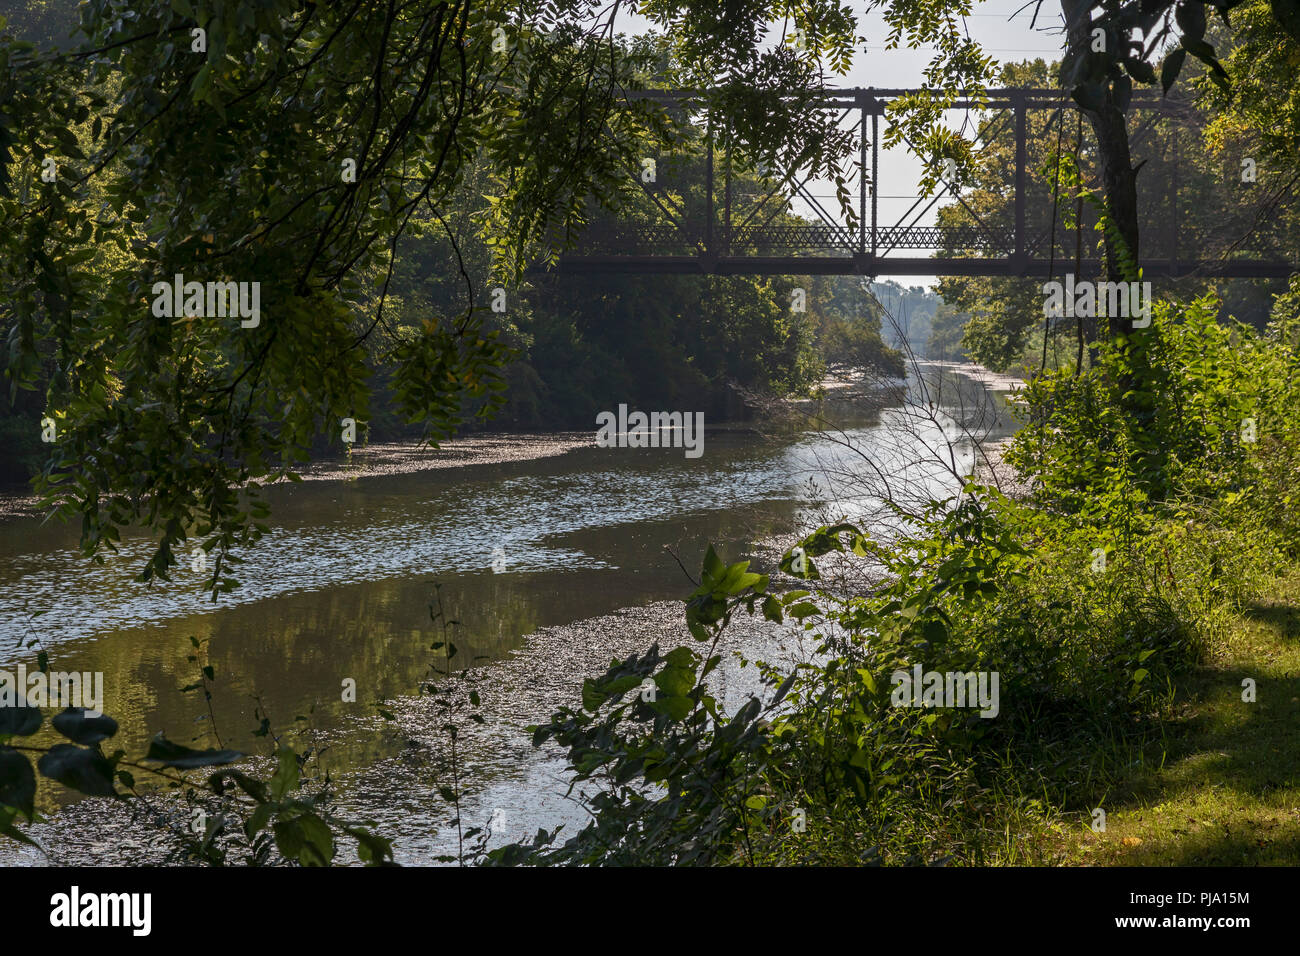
x: 1006, y: 37
x: 991, y: 23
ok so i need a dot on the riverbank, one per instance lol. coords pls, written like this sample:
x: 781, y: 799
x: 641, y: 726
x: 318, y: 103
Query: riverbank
x: 339, y: 589
x: 1147, y: 657
x: 393, y: 458
x: 852, y: 387
x: 993, y: 469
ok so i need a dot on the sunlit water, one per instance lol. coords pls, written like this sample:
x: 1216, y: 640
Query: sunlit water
x: 339, y: 591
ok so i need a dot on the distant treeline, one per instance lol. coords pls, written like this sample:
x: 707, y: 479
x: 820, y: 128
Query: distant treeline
x: 577, y: 345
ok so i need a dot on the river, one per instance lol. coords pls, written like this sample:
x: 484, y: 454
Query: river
x: 553, y: 564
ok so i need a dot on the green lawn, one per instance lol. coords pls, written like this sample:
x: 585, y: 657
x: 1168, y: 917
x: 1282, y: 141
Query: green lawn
x: 1228, y: 792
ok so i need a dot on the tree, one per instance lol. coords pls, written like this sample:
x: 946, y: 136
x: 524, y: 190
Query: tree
x: 288, y: 147
x: 1108, y: 48
x: 1186, y: 189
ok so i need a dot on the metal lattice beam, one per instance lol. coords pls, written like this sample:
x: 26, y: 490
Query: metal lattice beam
x: 713, y: 242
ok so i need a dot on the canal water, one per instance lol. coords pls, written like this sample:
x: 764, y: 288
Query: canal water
x: 551, y: 566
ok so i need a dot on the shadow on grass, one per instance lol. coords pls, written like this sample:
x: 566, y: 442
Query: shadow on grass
x: 1284, y: 618
x: 1228, y: 793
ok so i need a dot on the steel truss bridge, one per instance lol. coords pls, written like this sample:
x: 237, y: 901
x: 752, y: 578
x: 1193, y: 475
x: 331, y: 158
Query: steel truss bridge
x: 725, y: 235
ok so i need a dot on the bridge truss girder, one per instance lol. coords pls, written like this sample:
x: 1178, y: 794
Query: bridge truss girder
x: 718, y: 246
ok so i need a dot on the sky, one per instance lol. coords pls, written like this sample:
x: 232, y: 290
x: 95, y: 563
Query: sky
x: 1003, y: 33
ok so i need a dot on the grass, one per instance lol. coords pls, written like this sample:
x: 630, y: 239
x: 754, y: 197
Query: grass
x: 1228, y: 790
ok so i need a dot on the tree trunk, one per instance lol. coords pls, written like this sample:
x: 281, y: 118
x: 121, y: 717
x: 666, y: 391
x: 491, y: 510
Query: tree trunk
x: 1110, y: 128
x: 1119, y: 188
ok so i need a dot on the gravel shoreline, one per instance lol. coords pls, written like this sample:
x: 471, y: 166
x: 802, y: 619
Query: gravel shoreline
x: 993, y: 469
x: 395, y: 458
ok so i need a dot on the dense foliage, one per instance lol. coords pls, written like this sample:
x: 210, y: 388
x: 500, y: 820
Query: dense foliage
x: 1003, y: 322
x: 1160, y: 475
x: 826, y: 768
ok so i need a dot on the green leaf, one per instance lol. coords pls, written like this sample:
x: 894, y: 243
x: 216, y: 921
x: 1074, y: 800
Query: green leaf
x: 7, y: 814
x: 372, y: 850
x: 698, y: 631
x: 285, y: 778
x: 1140, y: 70
x: 867, y: 679
x: 305, y: 838
x: 676, y: 681
x: 713, y: 567
x: 1190, y: 15
x: 19, y: 720
x: 258, y: 820
x: 169, y: 754
x: 592, y: 697
x: 17, y: 781
x: 77, y: 727
x: 1170, y: 69
x: 254, y: 788
x: 1287, y: 14
x: 784, y: 688
x: 681, y: 657
x: 676, y: 708
x: 935, y: 631
x: 79, y: 769
x: 1205, y: 53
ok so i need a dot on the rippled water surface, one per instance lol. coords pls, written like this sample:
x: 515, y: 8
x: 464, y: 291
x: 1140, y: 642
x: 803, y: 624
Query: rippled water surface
x: 339, y: 590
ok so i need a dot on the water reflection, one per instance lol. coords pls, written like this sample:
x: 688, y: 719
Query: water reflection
x: 338, y: 590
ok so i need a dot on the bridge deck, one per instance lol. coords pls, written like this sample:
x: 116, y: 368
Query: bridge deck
x: 712, y: 235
